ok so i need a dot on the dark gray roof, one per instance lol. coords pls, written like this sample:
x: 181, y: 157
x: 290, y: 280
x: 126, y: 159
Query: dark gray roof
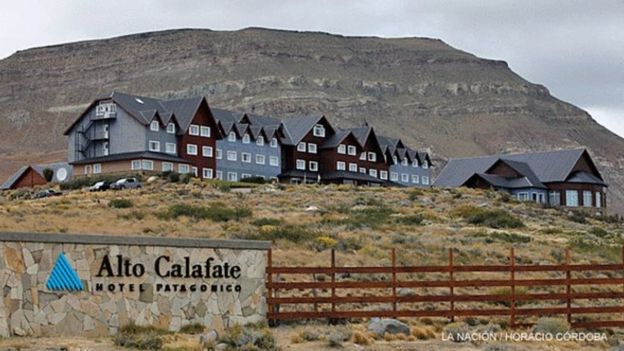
x: 361, y: 133
x: 55, y: 167
x: 336, y: 139
x: 297, y: 127
x: 509, y: 183
x: 353, y: 176
x: 222, y: 115
x: 584, y: 177
x: 132, y: 155
x: 184, y: 111
x: 526, y: 171
x: 551, y: 166
x: 262, y: 120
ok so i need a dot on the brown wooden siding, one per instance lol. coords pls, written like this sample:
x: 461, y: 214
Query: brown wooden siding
x: 203, y: 117
x: 29, y: 179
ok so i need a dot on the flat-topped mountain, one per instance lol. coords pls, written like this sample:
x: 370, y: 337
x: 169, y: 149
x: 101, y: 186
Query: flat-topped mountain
x: 434, y: 96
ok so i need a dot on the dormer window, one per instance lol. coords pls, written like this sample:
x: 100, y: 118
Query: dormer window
x: 171, y: 128
x: 342, y: 149
x: 194, y: 129
x: 154, y: 126
x: 260, y: 141
x: 425, y: 165
x: 273, y: 142
x: 404, y: 162
x: 395, y: 160
x: 232, y: 137
x: 319, y: 131
x: 363, y: 156
x: 372, y: 157
x: 301, y: 147
x: 246, y: 138
x: 415, y: 163
x: 352, y: 150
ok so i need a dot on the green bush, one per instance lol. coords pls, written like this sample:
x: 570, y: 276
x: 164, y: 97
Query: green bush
x: 266, y: 221
x: 254, y: 180
x: 553, y: 326
x: 599, y: 232
x: 489, y: 218
x: 411, y: 219
x: 506, y: 237
x: 371, y: 217
x: 578, y: 217
x: 140, y: 337
x: 415, y: 194
x: 194, y: 328
x: 290, y: 232
x: 171, y: 176
x: 120, y: 203
x: 250, y: 337
x: 216, y: 212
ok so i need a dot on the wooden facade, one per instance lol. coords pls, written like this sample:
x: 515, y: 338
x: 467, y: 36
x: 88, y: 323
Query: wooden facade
x: 203, y: 117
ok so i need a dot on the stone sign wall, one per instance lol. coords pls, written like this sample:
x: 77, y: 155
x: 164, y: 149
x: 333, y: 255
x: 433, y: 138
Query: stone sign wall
x: 60, y: 284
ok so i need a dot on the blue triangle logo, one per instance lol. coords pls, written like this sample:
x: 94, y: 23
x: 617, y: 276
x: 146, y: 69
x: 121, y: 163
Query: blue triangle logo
x: 63, y: 276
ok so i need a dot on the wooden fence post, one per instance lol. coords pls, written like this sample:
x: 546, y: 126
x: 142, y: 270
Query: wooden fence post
x: 512, y: 262
x: 269, y: 289
x: 394, y: 282
x: 452, y: 289
x: 333, y: 281
x: 568, y: 288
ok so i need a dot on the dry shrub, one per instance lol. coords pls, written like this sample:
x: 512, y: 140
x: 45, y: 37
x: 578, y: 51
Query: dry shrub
x: 296, y: 338
x: 422, y: 333
x: 361, y: 338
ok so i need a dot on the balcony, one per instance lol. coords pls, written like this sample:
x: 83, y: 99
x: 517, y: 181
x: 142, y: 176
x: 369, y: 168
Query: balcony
x: 102, y: 115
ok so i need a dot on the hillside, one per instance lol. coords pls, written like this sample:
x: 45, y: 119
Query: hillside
x: 422, y: 90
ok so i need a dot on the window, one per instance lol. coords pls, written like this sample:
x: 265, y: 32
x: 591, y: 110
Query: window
x: 587, y: 195
x: 87, y: 168
x: 170, y: 148
x: 207, y: 173
x: 395, y: 160
x: 260, y: 140
x: 245, y: 176
x: 147, y: 165
x: 274, y: 161
x: 219, y: 154
x: 246, y: 138
x: 542, y: 198
x: 425, y: 180
x: 246, y: 157
x: 301, y: 147
x: 204, y: 131
x: 523, y: 196
x: 154, y: 146
x: 191, y: 149
x: 105, y: 148
x: 232, y: 137
x: 363, y: 156
x: 352, y: 150
x: 394, y: 176
x: 415, y: 163
x: 136, y: 165
x: 372, y: 157
x: 425, y: 165
x: 372, y: 172
x: 301, y: 165
x: 194, y: 129
x: 362, y: 170
x: 319, y: 131
x: 232, y: 176
x: 554, y: 198
x: 273, y: 142
x: 220, y: 175
x: 154, y: 126
x: 404, y: 162
x: 340, y: 166
x: 167, y: 166
x: 383, y: 175
x: 207, y: 151
x: 571, y: 198
x: 342, y: 149
x: 183, y: 169
x: 97, y: 168
x: 171, y: 128
x: 598, y: 199
x: 231, y: 155
x: 404, y: 177
x: 311, y: 148
x: 415, y: 178
x: 353, y: 167
x: 260, y: 159
x: 313, y: 166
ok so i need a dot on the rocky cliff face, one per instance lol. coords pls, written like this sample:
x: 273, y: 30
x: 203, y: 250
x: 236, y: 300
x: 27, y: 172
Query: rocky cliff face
x: 432, y: 95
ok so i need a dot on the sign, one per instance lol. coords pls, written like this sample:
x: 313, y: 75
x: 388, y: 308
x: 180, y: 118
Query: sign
x: 63, y: 276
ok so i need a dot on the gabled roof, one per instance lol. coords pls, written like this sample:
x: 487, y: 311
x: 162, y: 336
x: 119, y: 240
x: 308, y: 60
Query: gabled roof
x: 337, y: 138
x: 39, y: 169
x: 222, y: 115
x: 298, y: 127
x: 260, y: 120
x: 184, y: 110
x: 523, y: 169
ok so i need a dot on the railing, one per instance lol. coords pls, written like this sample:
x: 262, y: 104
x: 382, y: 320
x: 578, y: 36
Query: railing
x: 583, y: 294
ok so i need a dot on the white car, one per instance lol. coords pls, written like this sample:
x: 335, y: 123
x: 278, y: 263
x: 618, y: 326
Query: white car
x: 126, y: 183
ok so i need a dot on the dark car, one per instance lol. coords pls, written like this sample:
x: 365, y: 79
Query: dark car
x: 100, y: 186
x: 47, y: 193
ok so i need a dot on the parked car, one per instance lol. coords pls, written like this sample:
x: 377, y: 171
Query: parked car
x: 126, y: 183
x: 46, y: 193
x: 100, y: 186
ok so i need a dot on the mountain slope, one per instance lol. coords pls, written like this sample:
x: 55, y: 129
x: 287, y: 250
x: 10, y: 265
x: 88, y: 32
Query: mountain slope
x: 422, y: 90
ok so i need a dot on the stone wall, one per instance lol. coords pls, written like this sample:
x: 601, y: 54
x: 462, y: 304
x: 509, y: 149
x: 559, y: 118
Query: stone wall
x: 28, y: 307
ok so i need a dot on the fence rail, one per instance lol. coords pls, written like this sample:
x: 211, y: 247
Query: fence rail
x: 293, y: 300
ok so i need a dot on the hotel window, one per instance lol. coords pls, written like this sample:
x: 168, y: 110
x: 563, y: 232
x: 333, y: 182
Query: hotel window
x: 220, y: 175
x: 260, y: 140
x: 136, y: 165
x: 404, y: 177
x: 571, y: 198
x: 395, y: 160
x: 232, y: 137
x: 154, y: 146
x: 312, y: 148
x: 425, y: 180
x: 522, y: 196
x: 404, y: 162
x: 394, y: 176
x: 301, y: 147
x: 313, y: 166
x: 415, y: 163
x: 415, y: 178
x: 106, y: 148
x: 219, y: 154
x: 383, y: 175
x: 246, y: 157
x: 363, y: 156
x: 353, y: 167
x: 147, y: 165
x: 587, y: 196
x: 554, y: 198
x: 340, y: 166
x: 372, y: 157
x: 425, y: 165
x: 87, y: 168
x: 372, y: 172
x: 171, y: 128
x: 342, y: 149
x: 231, y: 155
x: 191, y: 149
x: 207, y: 173
x: 97, y: 168
x: 245, y: 176
x: 273, y: 142
x: 194, y: 130
x: 207, y: 151
x: 362, y: 170
x: 170, y: 148
x: 352, y: 150
x: 154, y: 127
x: 260, y: 159
x: 204, y: 131
x: 232, y: 176
x: 246, y: 139
x: 598, y: 199
x: 301, y: 165
x: 273, y: 161
x: 167, y: 166
x: 319, y: 131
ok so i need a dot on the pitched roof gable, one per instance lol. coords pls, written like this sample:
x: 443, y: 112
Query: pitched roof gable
x: 298, y: 127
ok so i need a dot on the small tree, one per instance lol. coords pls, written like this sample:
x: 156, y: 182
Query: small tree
x: 48, y: 174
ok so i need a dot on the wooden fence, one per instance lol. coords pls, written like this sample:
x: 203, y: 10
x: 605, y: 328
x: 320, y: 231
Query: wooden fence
x: 580, y: 292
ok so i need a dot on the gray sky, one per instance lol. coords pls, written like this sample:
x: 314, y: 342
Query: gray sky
x: 575, y: 48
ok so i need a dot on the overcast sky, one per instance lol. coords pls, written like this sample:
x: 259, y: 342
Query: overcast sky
x: 575, y: 48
